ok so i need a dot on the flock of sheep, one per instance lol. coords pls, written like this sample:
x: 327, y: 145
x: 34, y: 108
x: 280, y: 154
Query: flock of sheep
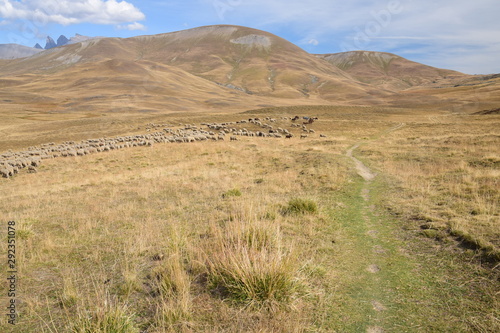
x: 12, y: 162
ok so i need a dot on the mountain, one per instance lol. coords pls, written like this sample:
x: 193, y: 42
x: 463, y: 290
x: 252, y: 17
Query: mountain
x: 77, y: 38
x: 224, y: 67
x: 253, y: 64
x: 249, y: 60
x: 50, y: 43
x: 14, y: 51
x: 388, y: 70
x: 62, y: 40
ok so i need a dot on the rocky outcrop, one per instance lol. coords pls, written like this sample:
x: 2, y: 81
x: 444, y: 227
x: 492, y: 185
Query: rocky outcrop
x: 62, y: 40
x: 50, y: 43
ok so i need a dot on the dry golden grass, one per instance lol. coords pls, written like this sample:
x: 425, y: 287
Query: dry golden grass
x: 226, y: 236
x: 448, y: 172
x: 154, y: 233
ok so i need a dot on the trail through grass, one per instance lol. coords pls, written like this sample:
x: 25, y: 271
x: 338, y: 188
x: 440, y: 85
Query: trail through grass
x: 388, y: 282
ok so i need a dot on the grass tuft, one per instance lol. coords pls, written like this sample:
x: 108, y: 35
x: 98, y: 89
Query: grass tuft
x: 249, y: 267
x: 299, y: 206
x: 232, y: 193
x: 107, y: 320
x: 25, y: 230
x: 172, y: 279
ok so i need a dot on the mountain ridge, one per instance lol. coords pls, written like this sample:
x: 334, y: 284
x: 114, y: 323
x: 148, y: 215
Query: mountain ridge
x: 63, y: 40
x: 16, y: 51
x: 387, y: 69
x: 229, y: 66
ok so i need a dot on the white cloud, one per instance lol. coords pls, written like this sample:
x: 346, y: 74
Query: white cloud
x: 67, y: 12
x: 313, y: 41
x: 132, y: 26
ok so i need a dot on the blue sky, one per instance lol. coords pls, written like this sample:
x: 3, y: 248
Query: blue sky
x: 463, y: 35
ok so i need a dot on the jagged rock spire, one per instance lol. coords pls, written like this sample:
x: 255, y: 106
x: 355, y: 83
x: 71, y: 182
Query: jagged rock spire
x: 50, y: 43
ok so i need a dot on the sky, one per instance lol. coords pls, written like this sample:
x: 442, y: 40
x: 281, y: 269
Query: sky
x: 462, y: 35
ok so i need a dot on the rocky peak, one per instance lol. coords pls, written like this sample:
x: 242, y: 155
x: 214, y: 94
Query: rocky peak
x: 50, y: 43
x: 62, y: 40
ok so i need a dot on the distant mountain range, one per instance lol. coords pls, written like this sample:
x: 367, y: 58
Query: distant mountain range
x: 62, y: 40
x: 226, y: 67
x: 15, y: 51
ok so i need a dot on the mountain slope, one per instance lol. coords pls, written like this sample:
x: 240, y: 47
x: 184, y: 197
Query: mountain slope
x: 250, y: 62
x: 14, y: 51
x: 253, y: 61
x: 388, y: 70
x: 224, y: 67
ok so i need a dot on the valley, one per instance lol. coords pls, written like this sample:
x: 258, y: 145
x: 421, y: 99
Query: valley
x: 381, y: 215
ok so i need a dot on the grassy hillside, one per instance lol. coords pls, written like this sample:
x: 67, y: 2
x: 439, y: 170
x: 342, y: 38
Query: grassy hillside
x: 185, y: 67
x: 223, y: 68
x: 388, y: 70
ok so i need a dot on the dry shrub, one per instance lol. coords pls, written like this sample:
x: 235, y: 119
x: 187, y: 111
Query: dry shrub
x: 248, y: 265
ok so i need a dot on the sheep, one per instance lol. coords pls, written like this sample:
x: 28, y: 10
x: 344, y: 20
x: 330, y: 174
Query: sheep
x: 303, y: 136
x: 322, y: 136
x: 32, y: 169
x: 23, y: 162
x: 6, y: 171
x: 35, y: 162
x: 31, y: 158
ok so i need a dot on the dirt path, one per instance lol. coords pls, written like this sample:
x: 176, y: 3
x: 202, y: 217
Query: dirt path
x: 362, y: 169
x: 390, y: 277
x: 373, y: 249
